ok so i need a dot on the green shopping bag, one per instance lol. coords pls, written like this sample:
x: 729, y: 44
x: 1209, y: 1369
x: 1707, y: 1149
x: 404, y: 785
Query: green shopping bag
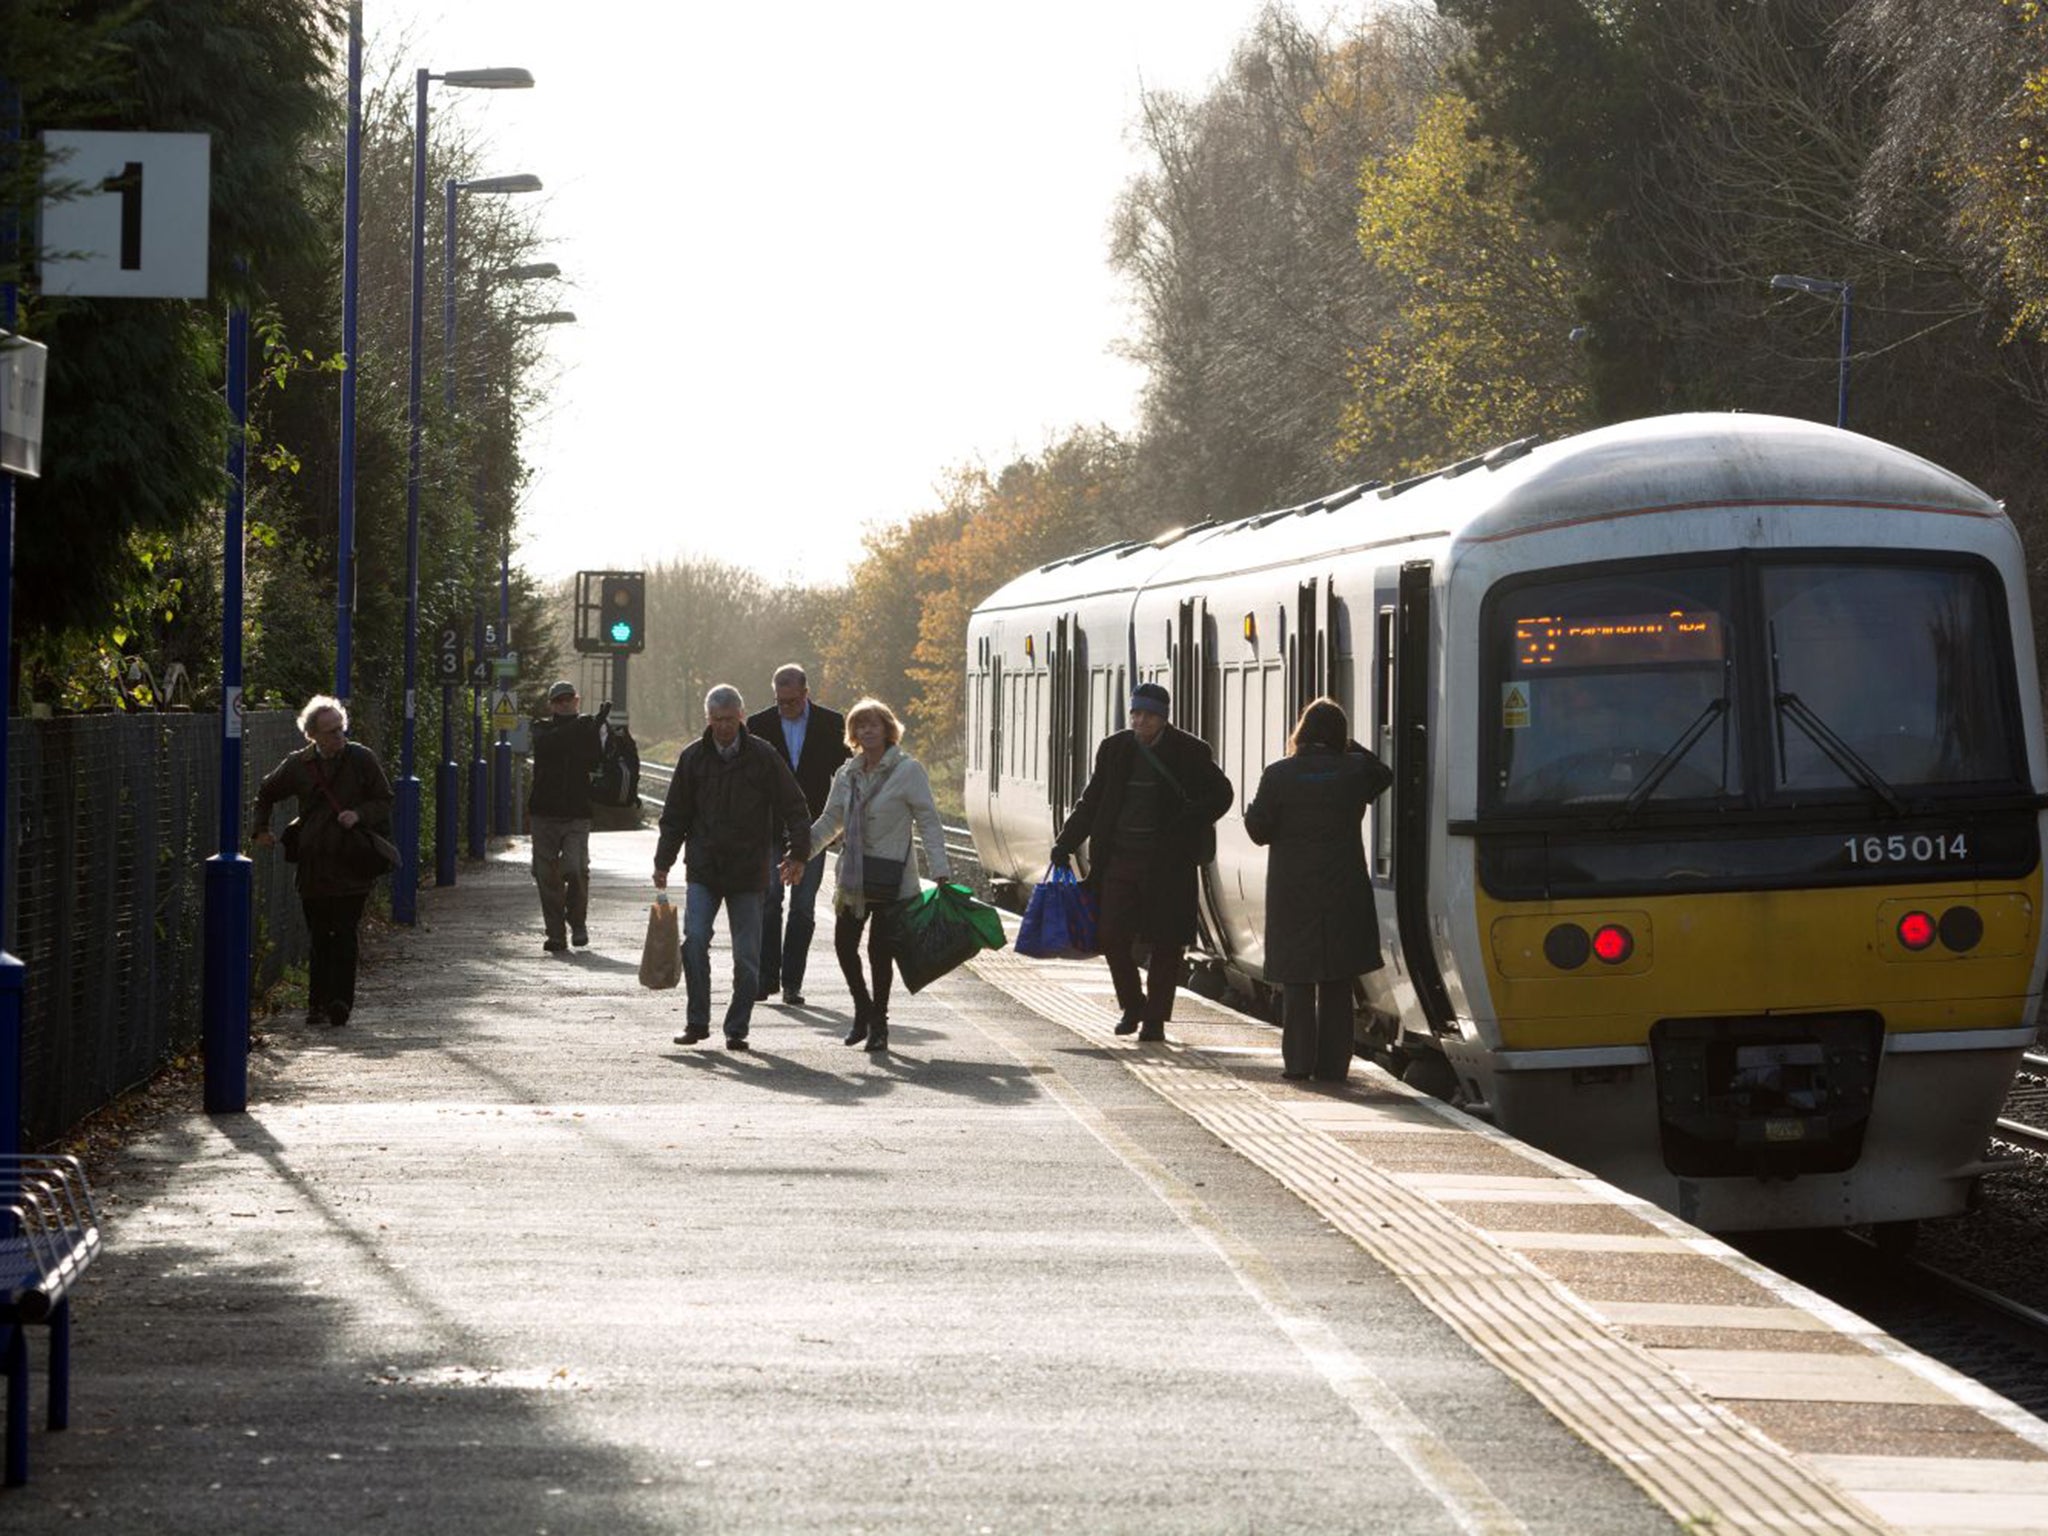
x: 938, y: 930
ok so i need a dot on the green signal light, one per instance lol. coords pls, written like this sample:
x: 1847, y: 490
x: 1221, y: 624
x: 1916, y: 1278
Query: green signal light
x: 622, y: 631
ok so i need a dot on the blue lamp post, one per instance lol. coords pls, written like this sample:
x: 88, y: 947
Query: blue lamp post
x: 447, y: 776
x: 351, y: 244
x: 501, y: 774
x: 1828, y: 288
x: 406, y: 809
x: 479, y: 766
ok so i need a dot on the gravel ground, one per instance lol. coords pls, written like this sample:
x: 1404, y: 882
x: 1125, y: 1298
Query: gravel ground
x: 2003, y: 1245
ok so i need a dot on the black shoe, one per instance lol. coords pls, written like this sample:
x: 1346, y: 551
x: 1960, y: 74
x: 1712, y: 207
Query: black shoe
x: 1152, y: 1032
x: 337, y: 1014
x: 580, y: 937
x: 878, y: 1035
x: 791, y: 998
x: 555, y: 946
x: 692, y: 1035
x: 1128, y: 1024
x: 1295, y: 1077
x: 737, y: 1043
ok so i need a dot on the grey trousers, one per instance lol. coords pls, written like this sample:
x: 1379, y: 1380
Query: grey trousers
x: 561, y: 868
x: 1315, y: 1029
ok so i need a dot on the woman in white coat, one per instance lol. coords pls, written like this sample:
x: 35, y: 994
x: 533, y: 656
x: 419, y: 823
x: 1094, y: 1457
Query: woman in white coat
x: 879, y: 795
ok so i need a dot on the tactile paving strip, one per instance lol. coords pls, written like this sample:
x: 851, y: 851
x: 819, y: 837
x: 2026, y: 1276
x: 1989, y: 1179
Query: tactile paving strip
x: 1695, y: 1459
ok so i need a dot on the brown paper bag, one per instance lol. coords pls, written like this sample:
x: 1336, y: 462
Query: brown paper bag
x: 661, y: 957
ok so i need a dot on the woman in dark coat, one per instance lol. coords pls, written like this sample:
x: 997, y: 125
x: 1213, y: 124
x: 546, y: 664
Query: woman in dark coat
x: 1321, y: 930
x: 342, y: 796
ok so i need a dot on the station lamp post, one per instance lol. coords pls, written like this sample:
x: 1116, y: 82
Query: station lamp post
x: 501, y: 757
x: 447, y: 776
x: 479, y: 765
x: 1827, y: 288
x: 406, y: 809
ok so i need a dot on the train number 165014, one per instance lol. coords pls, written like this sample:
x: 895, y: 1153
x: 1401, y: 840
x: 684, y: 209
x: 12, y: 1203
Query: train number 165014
x: 1908, y: 848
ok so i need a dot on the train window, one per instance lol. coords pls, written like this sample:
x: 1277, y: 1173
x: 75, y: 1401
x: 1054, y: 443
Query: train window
x: 1278, y: 721
x: 1905, y: 666
x: 1383, y: 739
x: 1614, y: 689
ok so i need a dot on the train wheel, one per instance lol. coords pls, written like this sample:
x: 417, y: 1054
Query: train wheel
x: 1895, y: 1239
x: 1429, y: 1073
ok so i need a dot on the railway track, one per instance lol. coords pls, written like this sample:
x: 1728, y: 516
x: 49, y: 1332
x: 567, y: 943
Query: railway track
x: 2029, y: 1098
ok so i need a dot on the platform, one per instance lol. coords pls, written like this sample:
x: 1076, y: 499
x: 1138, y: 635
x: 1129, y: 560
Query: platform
x: 497, y: 1256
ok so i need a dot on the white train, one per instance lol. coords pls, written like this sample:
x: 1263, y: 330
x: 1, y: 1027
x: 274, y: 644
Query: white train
x: 1713, y: 861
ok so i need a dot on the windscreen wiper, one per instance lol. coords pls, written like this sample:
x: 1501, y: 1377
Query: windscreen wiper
x: 1673, y: 756
x: 1838, y: 751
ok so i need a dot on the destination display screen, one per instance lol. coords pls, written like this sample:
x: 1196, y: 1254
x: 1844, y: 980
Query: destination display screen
x: 1618, y: 640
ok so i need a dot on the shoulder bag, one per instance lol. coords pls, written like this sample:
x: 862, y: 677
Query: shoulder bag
x: 365, y: 857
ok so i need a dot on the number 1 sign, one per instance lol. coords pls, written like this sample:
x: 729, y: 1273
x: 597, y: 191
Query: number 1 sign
x: 132, y: 224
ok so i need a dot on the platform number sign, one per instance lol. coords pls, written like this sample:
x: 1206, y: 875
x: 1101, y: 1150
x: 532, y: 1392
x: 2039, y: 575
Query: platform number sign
x: 126, y: 214
x: 448, y: 654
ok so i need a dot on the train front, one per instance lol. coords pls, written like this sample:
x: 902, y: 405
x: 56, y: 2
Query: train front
x: 1755, y: 856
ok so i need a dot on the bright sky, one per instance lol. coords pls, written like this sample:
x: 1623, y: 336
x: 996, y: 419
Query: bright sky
x: 819, y: 254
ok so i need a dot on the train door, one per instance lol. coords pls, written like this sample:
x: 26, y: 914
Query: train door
x: 1067, y: 734
x: 1411, y: 811
x: 994, y: 740
x: 1188, y: 677
x: 1312, y: 649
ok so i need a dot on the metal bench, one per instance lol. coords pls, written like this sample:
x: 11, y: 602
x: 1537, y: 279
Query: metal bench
x: 49, y: 1234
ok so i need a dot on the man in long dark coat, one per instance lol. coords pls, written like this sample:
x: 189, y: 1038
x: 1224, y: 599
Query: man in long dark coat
x: 812, y: 741
x: 1148, y: 816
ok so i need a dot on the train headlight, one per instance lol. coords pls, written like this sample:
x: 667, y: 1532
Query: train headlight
x: 1567, y: 947
x: 1916, y: 930
x: 1961, y: 928
x: 1613, y: 943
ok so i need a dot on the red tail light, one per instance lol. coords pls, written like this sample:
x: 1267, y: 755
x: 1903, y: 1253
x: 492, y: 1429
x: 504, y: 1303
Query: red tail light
x: 1613, y: 943
x: 1916, y: 930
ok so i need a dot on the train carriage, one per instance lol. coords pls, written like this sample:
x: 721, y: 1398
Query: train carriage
x: 1712, y: 861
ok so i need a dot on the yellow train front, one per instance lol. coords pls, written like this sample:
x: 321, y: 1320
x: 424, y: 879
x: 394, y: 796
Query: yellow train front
x: 1734, y: 890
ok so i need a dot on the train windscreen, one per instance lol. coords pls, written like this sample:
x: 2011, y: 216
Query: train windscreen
x: 1652, y: 686
x: 1615, y: 689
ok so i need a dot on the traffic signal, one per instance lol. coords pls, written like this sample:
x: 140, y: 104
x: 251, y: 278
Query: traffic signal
x: 622, y: 612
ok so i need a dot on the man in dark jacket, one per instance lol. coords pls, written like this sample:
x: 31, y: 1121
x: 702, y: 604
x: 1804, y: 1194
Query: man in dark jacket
x: 1148, y: 816
x: 566, y: 750
x: 736, y: 806
x: 812, y: 741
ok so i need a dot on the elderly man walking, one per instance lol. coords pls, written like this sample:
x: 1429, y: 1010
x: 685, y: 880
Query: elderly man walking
x: 735, y: 810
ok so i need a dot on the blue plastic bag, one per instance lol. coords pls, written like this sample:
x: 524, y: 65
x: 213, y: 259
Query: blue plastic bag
x: 1062, y: 920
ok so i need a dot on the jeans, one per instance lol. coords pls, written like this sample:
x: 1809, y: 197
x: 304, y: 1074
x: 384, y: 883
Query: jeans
x: 784, y: 954
x: 332, y: 923
x: 561, y: 868
x: 743, y: 921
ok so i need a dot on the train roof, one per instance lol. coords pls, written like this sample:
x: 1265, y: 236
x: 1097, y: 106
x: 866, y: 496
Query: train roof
x: 1658, y: 461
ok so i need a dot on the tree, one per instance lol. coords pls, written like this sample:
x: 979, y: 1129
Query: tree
x: 1480, y: 352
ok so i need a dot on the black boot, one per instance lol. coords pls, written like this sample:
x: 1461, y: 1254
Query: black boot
x: 859, y: 1032
x: 878, y: 1033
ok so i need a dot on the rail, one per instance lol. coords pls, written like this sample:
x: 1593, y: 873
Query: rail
x: 2032, y: 1137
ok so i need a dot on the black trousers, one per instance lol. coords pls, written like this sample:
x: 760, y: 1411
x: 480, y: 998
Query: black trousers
x: 1126, y: 887
x: 881, y: 958
x: 1315, y: 1029
x: 333, y: 922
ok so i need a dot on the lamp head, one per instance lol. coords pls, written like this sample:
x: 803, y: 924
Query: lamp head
x: 490, y: 79
x: 532, y: 271
x: 519, y: 183
x: 549, y: 317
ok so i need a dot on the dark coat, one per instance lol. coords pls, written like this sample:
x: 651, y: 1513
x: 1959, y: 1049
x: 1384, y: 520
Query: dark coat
x: 737, y: 818
x: 824, y: 750
x: 357, y: 782
x: 1320, y: 922
x: 1187, y: 842
x: 566, y: 752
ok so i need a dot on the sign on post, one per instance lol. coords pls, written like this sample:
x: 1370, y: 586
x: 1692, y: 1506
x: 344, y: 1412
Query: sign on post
x: 448, y: 650
x: 22, y: 367
x: 136, y: 229
x: 504, y: 710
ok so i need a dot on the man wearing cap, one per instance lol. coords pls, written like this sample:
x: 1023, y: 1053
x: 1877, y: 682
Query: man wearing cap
x: 566, y: 749
x: 1148, y: 817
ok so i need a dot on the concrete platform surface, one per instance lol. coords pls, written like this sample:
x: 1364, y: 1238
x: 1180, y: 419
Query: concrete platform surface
x: 498, y: 1256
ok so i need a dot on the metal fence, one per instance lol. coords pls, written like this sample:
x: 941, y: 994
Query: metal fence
x: 112, y: 818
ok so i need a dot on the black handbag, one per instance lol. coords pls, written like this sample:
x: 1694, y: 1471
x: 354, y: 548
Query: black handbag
x: 881, y: 879
x: 288, y: 839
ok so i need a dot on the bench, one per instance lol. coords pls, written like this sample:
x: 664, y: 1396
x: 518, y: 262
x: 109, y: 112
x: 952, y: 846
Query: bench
x: 49, y: 1234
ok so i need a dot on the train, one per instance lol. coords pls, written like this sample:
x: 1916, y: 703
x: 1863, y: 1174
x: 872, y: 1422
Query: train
x: 1712, y: 861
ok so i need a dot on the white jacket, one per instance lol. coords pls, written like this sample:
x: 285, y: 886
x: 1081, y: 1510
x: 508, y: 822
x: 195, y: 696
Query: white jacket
x: 895, y: 797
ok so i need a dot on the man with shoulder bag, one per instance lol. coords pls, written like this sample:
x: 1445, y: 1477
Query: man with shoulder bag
x: 567, y: 748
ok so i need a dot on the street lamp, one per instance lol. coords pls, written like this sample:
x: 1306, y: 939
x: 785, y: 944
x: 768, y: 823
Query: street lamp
x: 1827, y: 288
x: 501, y: 756
x: 447, y: 776
x: 406, y: 808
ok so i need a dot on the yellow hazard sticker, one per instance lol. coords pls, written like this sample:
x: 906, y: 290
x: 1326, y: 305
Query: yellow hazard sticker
x: 1514, y: 706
